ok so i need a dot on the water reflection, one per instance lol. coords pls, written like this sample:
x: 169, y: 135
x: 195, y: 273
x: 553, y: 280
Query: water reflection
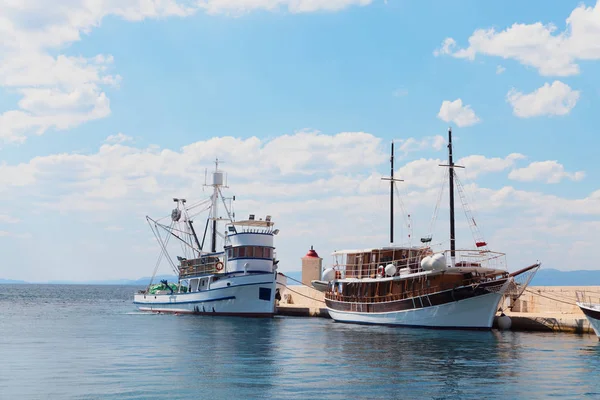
x: 80, y: 346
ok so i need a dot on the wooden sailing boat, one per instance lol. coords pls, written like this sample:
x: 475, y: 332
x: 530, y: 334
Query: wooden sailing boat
x: 415, y: 286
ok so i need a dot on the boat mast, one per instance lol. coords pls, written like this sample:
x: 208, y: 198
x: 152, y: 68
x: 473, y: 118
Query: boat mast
x: 392, y: 180
x: 451, y: 190
x: 392, y: 195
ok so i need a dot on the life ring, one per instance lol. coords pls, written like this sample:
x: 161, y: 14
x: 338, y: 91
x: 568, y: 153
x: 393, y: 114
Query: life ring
x: 219, y: 265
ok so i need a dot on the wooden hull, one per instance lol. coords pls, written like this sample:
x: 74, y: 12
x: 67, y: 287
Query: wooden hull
x: 468, y: 307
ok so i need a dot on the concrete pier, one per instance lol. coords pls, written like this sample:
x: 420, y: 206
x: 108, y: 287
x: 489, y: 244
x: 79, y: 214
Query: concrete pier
x: 539, y: 309
x: 302, y: 301
x: 551, y: 309
x: 549, y: 322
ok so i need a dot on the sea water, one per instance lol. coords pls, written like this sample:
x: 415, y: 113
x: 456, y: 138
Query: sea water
x: 89, y: 342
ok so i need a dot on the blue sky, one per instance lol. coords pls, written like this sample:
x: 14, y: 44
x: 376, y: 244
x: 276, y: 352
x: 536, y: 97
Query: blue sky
x: 311, y: 97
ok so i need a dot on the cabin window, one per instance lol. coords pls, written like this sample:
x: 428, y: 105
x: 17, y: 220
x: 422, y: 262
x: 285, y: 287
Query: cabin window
x: 258, y: 252
x: 251, y: 252
x: 264, y: 293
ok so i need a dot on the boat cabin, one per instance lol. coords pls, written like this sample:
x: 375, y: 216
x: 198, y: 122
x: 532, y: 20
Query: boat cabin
x: 391, y: 274
x: 369, y: 263
x: 250, y: 246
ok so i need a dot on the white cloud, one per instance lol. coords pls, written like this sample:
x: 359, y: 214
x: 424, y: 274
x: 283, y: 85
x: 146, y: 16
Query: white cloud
x: 447, y: 46
x: 546, y: 171
x: 312, y: 152
x: 119, y: 171
x: 9, y: 234
x: 555, y: 99
x: 500, y: 69
x: 427, y: 173
x: 330, y: 182
x: 429, y: 142
x: 538, y: 45
x: 400, y: 92
x: 7, y: 219
x: 16, y: 175
x: 118, y: 138
x: 60, y: 91
x: 454, y: 111
x: 293, y: 6
x: 476, y: 165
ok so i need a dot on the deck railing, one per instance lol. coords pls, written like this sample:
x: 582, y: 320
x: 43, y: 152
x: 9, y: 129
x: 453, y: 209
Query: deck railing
x: 586, y: 299
x: 389, y: 297
x: 476, y: 258
x: 198, y: 266
x: 462, y: 258
x: 372, y: 269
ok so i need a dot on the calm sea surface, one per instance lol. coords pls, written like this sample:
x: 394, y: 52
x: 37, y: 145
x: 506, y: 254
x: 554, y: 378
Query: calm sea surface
x: 88, y: 342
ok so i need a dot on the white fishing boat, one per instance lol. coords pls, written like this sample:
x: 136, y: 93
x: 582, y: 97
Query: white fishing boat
x: 238, y: 280
x: 591, y: 311
x: 415, y: 286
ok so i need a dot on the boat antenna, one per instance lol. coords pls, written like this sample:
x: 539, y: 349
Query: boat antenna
x: 215, y: 202
x: 217, y: 183
x: 392, y: 181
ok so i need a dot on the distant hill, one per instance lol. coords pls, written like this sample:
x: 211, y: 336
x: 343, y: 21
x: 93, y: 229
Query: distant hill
x: 11, y: 281
x: 544, y: 277
x: 555, y: 277
x: 133, y: 282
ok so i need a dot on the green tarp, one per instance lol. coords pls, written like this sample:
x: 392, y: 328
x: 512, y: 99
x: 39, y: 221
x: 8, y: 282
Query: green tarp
x: 160, y: 286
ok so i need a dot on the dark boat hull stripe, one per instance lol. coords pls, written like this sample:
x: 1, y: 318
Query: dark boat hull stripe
x: 413, y: 303
x: 591, y: 313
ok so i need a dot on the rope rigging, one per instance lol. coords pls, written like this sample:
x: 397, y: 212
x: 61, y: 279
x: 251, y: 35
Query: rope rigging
x: 405, y: 215
x: 429, y: 237
x: 477, y: 236
x: 161, y: 255
x: 468, y: 211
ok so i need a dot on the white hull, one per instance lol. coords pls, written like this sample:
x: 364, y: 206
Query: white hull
x: 475, y: 312
x: 592, y: 313
x: 230, y: 295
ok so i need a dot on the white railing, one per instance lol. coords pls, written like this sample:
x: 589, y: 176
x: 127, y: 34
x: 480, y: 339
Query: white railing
x: 198, y: 266
x: 476, y: 258
x: 373, y: 269
x: 404, y: 266
x: 587, y: 300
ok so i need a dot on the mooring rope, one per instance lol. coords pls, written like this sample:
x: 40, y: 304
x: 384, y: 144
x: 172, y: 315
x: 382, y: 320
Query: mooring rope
x: 298, y: 293
x: 549, y: 298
